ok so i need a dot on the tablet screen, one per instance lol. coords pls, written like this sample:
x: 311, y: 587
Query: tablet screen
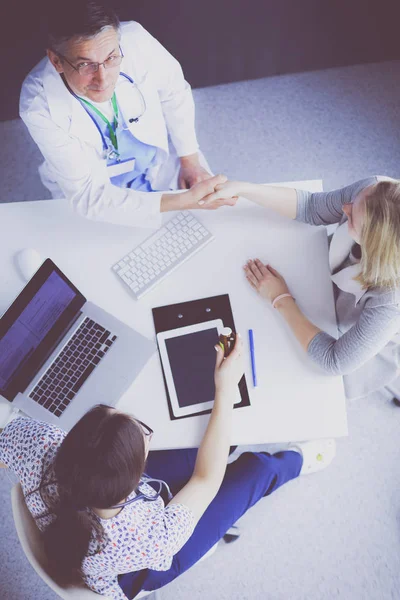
x: 188, y: 358
x: 192, y: 361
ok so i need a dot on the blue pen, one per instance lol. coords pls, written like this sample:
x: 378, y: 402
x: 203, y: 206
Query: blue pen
x: 253, y: 358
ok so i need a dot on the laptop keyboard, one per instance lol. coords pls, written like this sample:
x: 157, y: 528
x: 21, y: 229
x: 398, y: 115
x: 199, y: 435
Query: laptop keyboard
x: 77, y: 360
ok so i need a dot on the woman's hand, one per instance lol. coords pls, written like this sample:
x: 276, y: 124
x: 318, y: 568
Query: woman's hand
x: 229, y: 371
x: 266, y: 280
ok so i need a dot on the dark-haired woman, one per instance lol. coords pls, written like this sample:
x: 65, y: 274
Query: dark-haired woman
x: 105, y: 527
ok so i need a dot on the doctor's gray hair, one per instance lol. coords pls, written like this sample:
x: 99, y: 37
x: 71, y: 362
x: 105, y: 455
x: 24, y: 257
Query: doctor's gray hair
x: 79, y: 20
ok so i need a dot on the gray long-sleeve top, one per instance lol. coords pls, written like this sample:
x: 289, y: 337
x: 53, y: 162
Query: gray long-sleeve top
x: 367, y: 351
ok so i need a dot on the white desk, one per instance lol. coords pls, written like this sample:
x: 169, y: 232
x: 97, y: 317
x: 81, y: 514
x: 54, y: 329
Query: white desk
x: 294, y: 400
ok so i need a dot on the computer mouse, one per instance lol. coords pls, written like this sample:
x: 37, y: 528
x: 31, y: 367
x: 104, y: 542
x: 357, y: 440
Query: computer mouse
x: 28, y: 262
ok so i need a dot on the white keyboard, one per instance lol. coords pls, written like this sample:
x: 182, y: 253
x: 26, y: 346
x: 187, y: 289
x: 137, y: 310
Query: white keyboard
x: 162, y: 252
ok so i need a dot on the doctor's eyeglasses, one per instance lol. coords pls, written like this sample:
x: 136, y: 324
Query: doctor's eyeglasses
x: 89, y: 68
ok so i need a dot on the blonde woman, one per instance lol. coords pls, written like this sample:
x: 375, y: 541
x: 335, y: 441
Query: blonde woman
x: 364, y: 258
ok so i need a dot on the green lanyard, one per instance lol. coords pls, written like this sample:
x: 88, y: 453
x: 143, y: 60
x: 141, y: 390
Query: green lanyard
x: 111, y: 128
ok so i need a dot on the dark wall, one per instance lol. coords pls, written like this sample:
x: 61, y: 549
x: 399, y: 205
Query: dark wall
x: 219, y: 41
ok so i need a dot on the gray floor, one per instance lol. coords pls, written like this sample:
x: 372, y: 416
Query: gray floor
x: 330, y: 535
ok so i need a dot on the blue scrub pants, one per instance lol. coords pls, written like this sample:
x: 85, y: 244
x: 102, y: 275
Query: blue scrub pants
x: 251, y: 477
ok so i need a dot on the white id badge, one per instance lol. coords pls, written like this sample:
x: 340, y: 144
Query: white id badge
x: 125, y: 166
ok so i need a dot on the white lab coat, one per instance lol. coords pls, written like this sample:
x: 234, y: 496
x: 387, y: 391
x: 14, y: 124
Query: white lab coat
x: 75, y: 166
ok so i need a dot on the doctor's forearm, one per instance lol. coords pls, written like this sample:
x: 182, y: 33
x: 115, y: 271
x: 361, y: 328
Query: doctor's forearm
x: 280, y: 199
x: 302, y: 328
x: 171, y: 202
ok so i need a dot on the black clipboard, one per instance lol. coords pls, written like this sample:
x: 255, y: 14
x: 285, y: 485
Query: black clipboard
x: 182, y: 314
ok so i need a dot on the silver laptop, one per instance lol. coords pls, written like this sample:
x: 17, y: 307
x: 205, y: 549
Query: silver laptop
x: 60, y: 355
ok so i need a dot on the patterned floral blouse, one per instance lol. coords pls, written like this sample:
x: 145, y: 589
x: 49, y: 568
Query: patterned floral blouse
x: 143, y: 535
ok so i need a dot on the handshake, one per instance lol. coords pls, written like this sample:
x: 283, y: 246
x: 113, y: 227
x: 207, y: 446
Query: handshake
x: 211, y: 193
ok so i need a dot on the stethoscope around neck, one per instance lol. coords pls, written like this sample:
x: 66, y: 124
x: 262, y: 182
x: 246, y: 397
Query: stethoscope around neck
x: 110, y: 152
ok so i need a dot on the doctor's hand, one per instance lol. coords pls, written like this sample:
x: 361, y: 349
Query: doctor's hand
x: 196, y: 197
x: 191, y: 172
x: 266, y: 280
x: 228, y: 371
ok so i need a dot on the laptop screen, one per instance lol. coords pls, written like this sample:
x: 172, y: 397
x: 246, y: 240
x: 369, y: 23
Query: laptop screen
x: 33, y: 325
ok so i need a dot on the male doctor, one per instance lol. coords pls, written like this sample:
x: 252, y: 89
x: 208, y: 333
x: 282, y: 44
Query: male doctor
x: 113, y: 117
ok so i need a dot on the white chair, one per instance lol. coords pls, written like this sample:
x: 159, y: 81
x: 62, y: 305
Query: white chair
x: 31, y: 542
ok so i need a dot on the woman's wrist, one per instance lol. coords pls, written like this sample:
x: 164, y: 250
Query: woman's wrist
x: 302, y: 328
x: 245, y: 188
x: 284, y: 302
x: 224, y: 391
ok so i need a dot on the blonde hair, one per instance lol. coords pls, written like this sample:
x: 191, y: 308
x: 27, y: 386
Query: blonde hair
x: 380, y: 237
